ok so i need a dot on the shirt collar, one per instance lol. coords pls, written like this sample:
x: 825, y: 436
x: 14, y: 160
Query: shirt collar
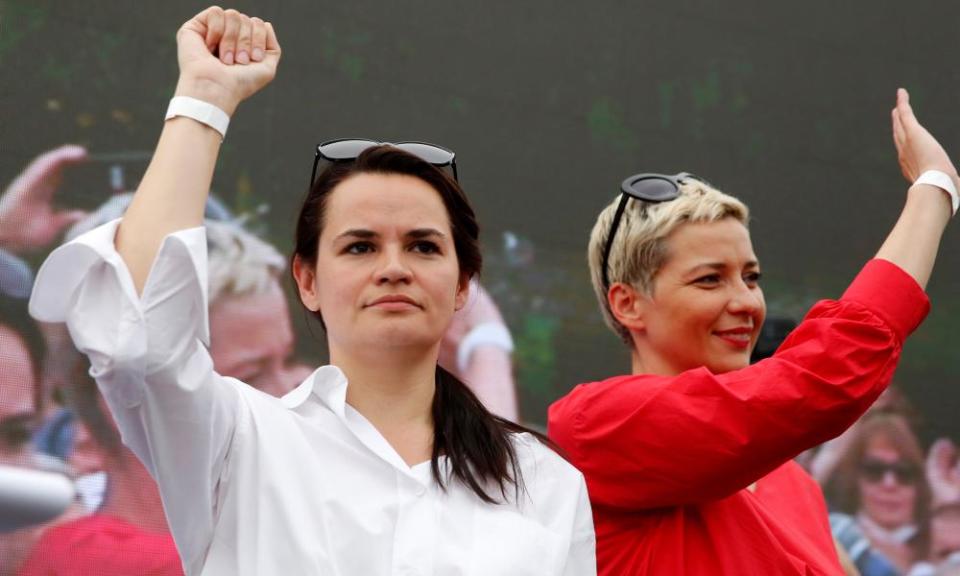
x: 327, y: 383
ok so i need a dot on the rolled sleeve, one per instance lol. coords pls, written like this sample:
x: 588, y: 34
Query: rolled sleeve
x: 148, y: 355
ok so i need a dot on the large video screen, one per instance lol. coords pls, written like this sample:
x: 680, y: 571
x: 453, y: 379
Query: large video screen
x: 548, y: 107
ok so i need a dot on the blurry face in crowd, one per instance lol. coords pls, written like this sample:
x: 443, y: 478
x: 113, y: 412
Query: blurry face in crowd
x: 387, y: 271
x: 17, y: 383
x: 887, y: 484
x: 252, y: 340
x: 707, y: 306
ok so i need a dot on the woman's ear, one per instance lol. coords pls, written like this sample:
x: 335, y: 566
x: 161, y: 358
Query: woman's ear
x: 463, y: 293
x: 306, y: 278
x: 628, y: 305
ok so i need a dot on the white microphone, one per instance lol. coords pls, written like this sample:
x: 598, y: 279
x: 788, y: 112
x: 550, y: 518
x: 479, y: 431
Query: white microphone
x: 29, y: 497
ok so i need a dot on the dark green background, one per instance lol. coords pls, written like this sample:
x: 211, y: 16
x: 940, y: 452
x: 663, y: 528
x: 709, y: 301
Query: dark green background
x: 548, y: 105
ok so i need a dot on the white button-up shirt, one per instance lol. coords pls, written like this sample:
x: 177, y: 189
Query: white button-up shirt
x: 253, y: 484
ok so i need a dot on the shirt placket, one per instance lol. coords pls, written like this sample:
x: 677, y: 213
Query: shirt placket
x: 416, y: 530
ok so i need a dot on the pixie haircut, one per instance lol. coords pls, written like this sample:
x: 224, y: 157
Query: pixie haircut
x: 640, y: 244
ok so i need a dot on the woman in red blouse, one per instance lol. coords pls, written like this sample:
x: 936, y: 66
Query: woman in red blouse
x: 688, y: 459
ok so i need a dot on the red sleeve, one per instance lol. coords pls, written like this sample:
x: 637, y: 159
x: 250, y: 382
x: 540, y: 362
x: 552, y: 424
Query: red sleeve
x: 650, y: 441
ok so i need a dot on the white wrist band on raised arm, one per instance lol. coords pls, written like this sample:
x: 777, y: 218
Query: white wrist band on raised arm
x: 488, y: 333
x: 201, y: 111
x: 943, y: 181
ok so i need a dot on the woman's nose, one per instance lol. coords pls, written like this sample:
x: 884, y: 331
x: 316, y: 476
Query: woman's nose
x: 392, y: 268
x: 746, y: 300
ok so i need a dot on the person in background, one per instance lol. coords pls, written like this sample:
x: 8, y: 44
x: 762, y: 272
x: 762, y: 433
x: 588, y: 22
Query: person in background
x: 127, y: 531
x: 21, y: 348
x: 943, y: 474
x: 477, y: 349
x: 880, y: 484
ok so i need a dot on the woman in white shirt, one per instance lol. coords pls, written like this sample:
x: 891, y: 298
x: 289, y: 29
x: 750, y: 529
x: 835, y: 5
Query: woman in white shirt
x: 380, y: 463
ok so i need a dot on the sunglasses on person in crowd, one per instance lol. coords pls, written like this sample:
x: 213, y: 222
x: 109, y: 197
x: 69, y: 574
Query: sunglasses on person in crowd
x: 876, y: 470
x: 17, y: 430
x: 348, y: 149
x: 649, y: 187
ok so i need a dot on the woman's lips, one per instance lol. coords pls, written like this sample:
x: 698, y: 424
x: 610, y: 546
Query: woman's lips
x: 394, y: 302
x: 739, y: 338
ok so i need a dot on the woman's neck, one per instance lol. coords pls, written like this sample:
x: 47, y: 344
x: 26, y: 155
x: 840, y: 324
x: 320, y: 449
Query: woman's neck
x: 649, y: 364
x: 394, y: 391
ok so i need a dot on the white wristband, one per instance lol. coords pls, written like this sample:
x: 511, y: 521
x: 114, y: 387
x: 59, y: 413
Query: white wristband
x: 943, y: 181
x: 201, y: 111
x: 492, y: 333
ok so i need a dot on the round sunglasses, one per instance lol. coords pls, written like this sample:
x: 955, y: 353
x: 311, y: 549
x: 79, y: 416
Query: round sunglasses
x: 648, y: 187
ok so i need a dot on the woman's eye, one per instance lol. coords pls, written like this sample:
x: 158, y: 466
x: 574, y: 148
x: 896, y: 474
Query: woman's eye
x: 426, y: 247
x: 708, y: 280
x: 359, y: 248
x: 752, y: 278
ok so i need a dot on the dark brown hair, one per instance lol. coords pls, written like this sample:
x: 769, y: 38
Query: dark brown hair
x: 477, y: 444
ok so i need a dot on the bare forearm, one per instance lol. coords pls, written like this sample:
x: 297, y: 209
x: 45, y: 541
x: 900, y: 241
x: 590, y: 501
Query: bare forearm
x: 174, y: 190
x: 489, y: 374
x: 172, y: 194
x: 912, y: 244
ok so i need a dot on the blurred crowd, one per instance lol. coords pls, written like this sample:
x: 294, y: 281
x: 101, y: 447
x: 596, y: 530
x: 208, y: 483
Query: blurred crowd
x: 895, y: 504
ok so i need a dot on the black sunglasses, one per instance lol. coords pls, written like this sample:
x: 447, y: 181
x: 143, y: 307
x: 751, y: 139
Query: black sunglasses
x: 875, y: 470
x: 18, y: 429
x: 348, y: 149
x: 654, y: 188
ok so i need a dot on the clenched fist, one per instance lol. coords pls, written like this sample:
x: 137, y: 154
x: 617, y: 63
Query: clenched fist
x: 225, y: 57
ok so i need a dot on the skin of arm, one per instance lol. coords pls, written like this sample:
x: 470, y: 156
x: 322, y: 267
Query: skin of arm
x: 913, y: 242
x: 489, y: 370
x: 174, y: 190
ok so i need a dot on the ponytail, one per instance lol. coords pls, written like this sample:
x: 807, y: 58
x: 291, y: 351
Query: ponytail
x: 478, y: 445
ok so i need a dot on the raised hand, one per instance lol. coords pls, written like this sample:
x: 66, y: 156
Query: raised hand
x: 225, y: 57
x: 943, y: 472
x: 28, y: 219
x: 917, y: 149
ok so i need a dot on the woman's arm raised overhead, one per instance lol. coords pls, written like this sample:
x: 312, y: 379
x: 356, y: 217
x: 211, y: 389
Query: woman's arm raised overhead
x: 913, y: 242
x: 225, y: 57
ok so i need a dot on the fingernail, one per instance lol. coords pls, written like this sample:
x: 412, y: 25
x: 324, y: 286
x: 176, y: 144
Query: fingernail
x: 243, y: 57
x: 257, y: 54
x: 228, y: 58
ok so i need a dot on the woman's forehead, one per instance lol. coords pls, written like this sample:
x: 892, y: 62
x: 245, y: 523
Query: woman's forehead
x: 373, y: 201
x: 725, y: 241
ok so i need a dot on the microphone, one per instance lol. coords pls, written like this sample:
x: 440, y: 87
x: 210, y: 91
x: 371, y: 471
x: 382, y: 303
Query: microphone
x: 29, y: 497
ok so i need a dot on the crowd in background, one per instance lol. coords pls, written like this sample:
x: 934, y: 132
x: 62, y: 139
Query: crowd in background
x: 895, y: 505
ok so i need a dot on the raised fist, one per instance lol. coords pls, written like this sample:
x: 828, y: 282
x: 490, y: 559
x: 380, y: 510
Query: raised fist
x: 225, y: 57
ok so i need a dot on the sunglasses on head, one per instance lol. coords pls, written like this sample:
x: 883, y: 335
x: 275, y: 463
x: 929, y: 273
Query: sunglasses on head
x: 348, y: 149
x: 648, y: 187
x: 876, y: 470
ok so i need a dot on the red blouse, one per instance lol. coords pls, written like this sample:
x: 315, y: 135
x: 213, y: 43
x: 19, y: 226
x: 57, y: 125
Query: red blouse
x: 668, y: 460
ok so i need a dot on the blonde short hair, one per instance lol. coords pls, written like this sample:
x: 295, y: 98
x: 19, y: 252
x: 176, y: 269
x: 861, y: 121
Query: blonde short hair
x: 239, y: 263
x: 639, y: 247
